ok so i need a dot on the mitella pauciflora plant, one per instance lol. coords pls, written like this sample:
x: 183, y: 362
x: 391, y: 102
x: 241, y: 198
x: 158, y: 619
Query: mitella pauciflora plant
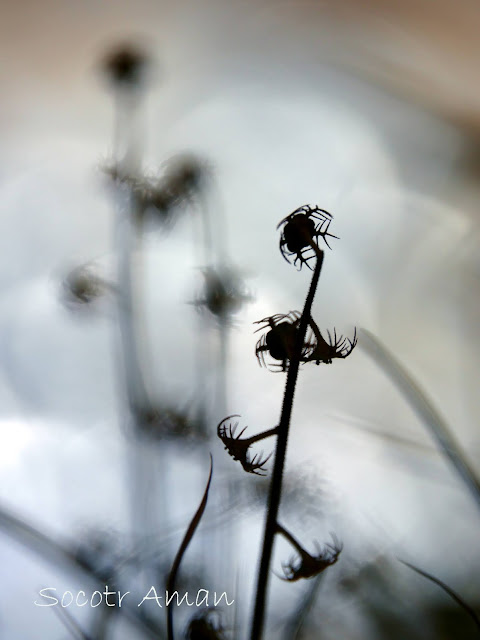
x: 289, y: 340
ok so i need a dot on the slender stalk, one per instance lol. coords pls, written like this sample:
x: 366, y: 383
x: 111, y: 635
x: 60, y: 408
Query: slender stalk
x: 280, y: 453
x: 192, y: 527
x: 424, y: 408
x: 261, y: 436
x: 447, y: 590
x: 288, y: 536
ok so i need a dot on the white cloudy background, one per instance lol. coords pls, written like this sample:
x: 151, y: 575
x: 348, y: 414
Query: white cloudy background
x: 367, y: 110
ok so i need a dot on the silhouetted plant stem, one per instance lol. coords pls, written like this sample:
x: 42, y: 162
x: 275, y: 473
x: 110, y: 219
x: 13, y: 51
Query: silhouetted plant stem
x: 262, y: 435
x: 192, y: 527
x: 288, y: 536
x: 280, y: 453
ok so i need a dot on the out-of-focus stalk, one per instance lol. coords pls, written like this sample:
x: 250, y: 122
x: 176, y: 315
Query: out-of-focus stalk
x: 126, y: 69
x: 424, y: 408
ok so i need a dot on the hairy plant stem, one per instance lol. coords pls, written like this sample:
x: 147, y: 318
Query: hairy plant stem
x: 271, y: 526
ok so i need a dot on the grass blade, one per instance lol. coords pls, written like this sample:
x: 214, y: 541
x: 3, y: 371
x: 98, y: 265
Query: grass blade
x: 183, y: 547
x: 423, y: 407
x: 447, y: 590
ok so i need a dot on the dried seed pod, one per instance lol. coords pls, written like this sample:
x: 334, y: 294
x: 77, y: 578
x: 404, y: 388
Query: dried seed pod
x: 323, y: 351
x: 279, y: 342
x: 238, y: 447
x: 306, y: 565
x: 300, y: 232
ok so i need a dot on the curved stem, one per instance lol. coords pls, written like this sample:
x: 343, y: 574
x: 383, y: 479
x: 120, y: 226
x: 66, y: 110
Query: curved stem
x: 447, y: 590
x: 262, y: 435
x: 288, y: 536
x: 280, y: 453
x: 192, y: 527
x: 424, y: 408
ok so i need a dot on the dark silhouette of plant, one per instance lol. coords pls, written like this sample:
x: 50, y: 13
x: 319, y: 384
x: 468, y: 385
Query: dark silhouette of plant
x: 291, y: 339
x: 307, y: 565
x: 300, y: 229
x: 323, y: 351
x: 279, y: 341
x: 170, y: 587
x: 238, y: 447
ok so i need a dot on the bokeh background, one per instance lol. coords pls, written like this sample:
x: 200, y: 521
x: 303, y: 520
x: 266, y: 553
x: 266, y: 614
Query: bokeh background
x: 370, y: 110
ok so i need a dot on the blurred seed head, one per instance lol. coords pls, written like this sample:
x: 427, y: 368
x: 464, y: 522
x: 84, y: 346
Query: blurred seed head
x: 183, y: 181
x: 185, y: 175
x: 308, y: 566
x: 161, y: 199
x: 83, y: 287
x: 278, y: 343
x: 126, y: 66
x: 170, y: 423
x: 224, y: 292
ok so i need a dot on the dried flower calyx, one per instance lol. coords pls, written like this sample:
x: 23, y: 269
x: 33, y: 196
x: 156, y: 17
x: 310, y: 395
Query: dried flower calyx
x: 300, y: 232
x: 306, y: 565
x: 238, y: 447
x: 323, y: 351
x: 280, y: 341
